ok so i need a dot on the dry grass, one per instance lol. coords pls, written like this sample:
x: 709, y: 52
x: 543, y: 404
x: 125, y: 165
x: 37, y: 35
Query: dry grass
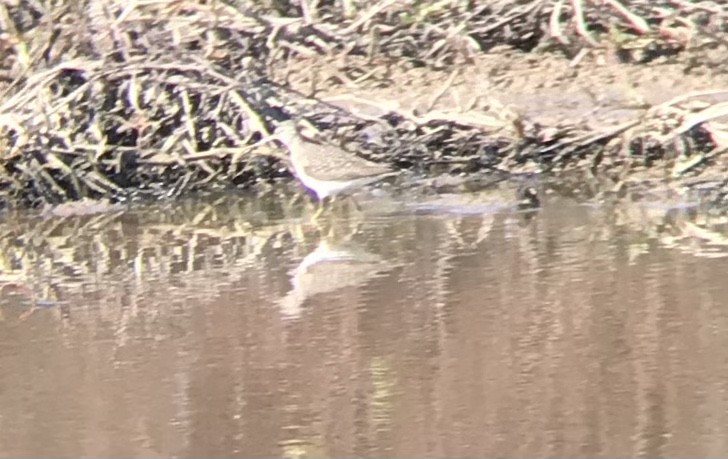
x: 119, y: 99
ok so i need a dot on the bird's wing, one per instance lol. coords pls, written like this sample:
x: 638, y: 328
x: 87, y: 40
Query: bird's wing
x: 339, y: 165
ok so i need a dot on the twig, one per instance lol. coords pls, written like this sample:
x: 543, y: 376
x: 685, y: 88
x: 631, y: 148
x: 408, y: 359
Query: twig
x: 555, y: 23
x: 638, y: 23
x: 443, y: 89
x: 714, y: 111
x: 373, y: 11
x: 581, y: 27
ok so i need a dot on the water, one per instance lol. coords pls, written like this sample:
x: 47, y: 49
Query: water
x: 238, y: 328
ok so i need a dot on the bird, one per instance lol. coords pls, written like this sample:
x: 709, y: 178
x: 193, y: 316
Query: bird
x: 326, y: 169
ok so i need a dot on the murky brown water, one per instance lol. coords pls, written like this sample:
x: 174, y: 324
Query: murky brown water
x: 229, y: 329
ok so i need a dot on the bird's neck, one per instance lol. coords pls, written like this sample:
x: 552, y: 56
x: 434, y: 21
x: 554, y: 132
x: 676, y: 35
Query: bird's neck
x: 297, y: 150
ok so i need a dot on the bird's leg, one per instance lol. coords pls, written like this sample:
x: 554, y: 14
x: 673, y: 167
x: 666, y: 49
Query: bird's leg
x: 330, y: 232
x: 321, y: 207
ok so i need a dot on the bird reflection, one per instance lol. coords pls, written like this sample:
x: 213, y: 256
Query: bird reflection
x: 330, y: 267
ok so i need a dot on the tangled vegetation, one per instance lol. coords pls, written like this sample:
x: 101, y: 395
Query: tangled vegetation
x: 126, y: 99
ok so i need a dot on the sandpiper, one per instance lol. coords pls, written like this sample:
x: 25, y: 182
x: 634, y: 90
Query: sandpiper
x: 324, y: 168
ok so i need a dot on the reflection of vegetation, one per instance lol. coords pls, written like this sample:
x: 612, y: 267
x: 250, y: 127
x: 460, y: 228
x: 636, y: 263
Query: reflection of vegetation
x: 83, y: 255
x: 517, y: 295
x: 686, y: 226
x: 300, y: 448
x: 383, y: 380
x: 142, y: 246
x: 296, y: 449
x: 54, y: 262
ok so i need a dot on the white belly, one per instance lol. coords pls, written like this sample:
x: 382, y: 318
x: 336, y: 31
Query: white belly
x: 326, y: 188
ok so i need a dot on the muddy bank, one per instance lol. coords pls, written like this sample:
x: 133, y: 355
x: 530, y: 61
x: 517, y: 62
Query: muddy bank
x: 102, y: 99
